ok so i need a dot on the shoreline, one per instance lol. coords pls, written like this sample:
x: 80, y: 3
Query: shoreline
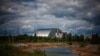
x: 34, y: 46
x: 89, y: 50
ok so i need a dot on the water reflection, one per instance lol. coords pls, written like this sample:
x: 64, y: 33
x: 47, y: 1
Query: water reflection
x: 59, y: 52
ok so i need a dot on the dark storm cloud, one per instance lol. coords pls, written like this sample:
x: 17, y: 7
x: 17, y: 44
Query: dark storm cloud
x: 75, y: 16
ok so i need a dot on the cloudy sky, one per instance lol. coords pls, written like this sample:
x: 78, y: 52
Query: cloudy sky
x: 71, y: 16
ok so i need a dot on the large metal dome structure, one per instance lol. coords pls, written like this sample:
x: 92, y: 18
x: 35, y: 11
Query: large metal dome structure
x: 51, y: 32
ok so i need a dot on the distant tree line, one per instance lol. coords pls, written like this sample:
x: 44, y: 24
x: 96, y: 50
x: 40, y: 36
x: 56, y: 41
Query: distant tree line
x: 67, y: 37
x: 93, y: 39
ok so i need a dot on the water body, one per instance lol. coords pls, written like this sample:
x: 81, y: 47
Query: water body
x: 59, y: 52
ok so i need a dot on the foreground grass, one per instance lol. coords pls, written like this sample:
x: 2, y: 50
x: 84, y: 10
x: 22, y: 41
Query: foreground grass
x: 8, y: 50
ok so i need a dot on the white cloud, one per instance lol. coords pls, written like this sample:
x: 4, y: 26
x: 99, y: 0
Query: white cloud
x: 26, y: 26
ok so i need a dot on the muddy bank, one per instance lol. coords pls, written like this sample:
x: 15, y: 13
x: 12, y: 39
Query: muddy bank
x: 89, y: 50
x: 27, y: 47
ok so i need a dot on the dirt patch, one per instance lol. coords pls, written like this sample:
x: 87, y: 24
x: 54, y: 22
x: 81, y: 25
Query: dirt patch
x: 89, y: 50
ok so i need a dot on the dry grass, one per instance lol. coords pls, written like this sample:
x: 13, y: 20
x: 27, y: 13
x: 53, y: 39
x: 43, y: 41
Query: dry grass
x: 89, y: 50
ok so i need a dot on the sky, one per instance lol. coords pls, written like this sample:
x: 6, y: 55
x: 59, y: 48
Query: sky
x: 71, y: 16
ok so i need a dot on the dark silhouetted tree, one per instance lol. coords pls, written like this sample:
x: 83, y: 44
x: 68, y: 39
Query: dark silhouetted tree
x: 87, y: 39
x: 69, y: 37
x: 64, y: 37
x: 81, y: 38
x: 95, y: 39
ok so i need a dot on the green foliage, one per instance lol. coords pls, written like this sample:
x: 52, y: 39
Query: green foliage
x: 69, y: 37
x: 95, y: 39
x: 87, y: 39
x: 64, y: 37
x: 76, y: 38
x: 81, y: 38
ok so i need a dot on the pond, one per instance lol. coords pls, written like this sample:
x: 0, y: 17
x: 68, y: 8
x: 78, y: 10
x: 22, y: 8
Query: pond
x: 59, y: 52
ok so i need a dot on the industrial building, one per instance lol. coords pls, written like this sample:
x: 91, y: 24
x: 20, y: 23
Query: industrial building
x: 51, y: 32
